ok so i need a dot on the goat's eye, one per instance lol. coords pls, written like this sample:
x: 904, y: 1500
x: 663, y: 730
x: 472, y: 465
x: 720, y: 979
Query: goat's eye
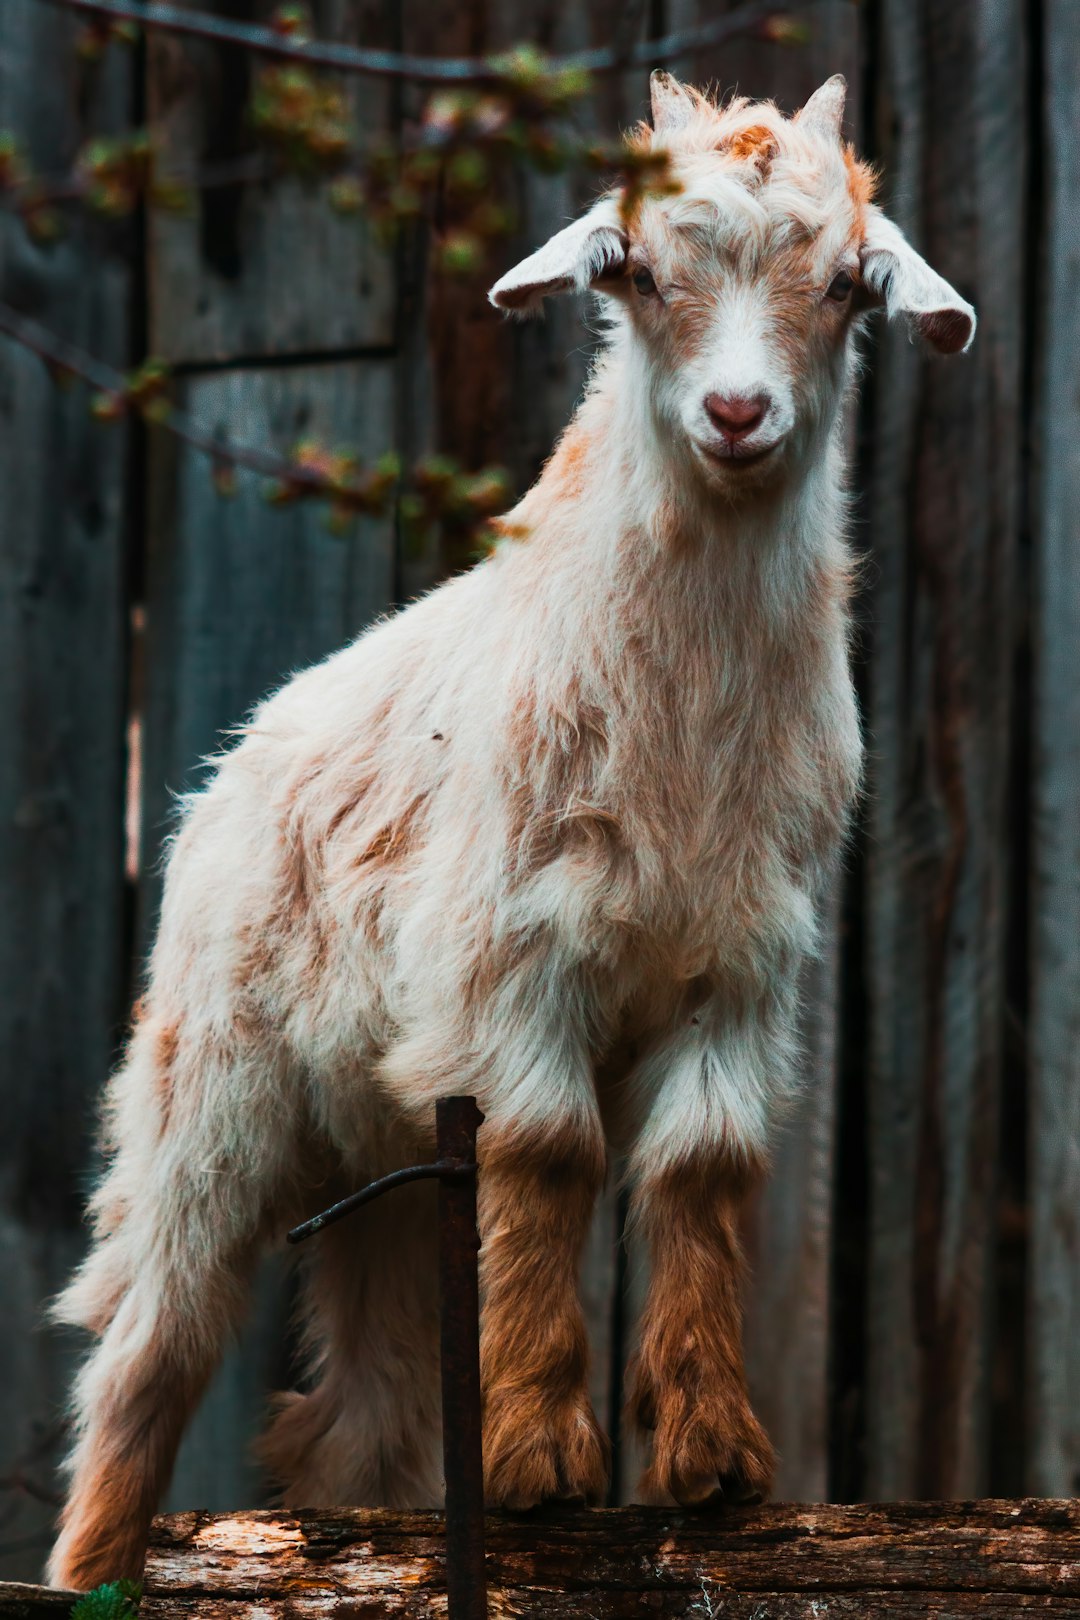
x: 644, y: 282
x: 839, y: 287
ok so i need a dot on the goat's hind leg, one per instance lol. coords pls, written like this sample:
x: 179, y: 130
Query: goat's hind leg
x: 178, y: 1220
x: 368, y: 1433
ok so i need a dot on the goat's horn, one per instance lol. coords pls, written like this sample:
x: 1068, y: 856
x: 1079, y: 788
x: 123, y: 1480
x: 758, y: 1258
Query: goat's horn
x: 824, y: 112
x: 671, y: 104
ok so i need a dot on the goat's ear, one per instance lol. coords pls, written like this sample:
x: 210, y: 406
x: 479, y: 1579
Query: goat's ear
x: 901, y: 279
x: 672, y: 104
x: 824, y: 112
x: 574, y: 259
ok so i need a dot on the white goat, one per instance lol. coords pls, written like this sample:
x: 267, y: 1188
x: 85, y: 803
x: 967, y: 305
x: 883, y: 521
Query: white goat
x: 554, y: 835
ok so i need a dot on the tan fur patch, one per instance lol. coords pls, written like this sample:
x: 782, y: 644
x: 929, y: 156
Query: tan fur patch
x: 687, y: 1383
x: 862, y: 178
x: 121, y: 1471
x: 552, y: 776
x: 757, y: 141
x: 541, y: 1439
x: 166, y: 1048
x: 566, y: 466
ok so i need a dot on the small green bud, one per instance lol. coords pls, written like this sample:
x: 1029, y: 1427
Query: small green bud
x: 460, y: 253
x: 346, y: 195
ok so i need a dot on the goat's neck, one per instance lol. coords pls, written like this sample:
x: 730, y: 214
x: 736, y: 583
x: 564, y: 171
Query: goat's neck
x: 640, y: 525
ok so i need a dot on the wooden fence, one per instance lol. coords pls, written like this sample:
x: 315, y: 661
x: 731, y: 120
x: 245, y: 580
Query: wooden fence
x: 915, y: 1323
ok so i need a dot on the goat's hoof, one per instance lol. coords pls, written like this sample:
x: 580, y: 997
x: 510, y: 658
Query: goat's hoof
x: 541, y: 1450
x: 710, y: 1453
x: 731, y: 1490
x: 86, y: 1556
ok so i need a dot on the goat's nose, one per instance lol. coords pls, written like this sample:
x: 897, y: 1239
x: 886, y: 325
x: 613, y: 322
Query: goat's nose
x: 737, y: 415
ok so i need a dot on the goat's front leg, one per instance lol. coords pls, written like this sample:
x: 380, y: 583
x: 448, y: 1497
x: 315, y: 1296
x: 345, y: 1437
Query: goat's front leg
x: 541, y: 1439
x: 698, y: 1158
x: 542, y: 1157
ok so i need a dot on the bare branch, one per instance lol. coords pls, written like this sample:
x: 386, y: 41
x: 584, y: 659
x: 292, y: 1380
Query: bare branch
x: 754, y: 16
x: 63, y: 358
x: 439, y: 491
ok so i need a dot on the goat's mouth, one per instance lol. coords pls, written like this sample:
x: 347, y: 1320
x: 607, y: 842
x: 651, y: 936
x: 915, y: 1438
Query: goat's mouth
x: 735, y: 457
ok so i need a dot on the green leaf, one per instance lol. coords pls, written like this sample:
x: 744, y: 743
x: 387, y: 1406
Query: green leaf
x: 117, y: 1600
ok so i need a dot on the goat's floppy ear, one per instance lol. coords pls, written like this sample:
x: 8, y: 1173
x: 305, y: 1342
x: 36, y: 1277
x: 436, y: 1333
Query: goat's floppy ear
x: 672, y: 104
x: 573, y: 260
x: 904, y: 281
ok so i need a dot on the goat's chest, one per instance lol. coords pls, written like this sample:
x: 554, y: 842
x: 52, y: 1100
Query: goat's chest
x: 727, y: 798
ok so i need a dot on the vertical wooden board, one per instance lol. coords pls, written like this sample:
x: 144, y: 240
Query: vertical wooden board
x: 633, y: 1453
x: 789, y: 1248
x: 754, y: 65
x: 1053, y: 1459
x: 261, y: 269
x: 502, y: 391
x: 942, y: 516
x: 598, y: 1282
x: 62, y: 685
x: 240, y: 596
x: 789, y: 1228
x: 453, y: 363
x: 551, y: 357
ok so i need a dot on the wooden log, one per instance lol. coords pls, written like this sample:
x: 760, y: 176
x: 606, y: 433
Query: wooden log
x: 993, y: 1559
x: 19, y: 1600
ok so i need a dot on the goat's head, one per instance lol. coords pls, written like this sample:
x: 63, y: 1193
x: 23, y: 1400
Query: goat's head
x: 737, y: 295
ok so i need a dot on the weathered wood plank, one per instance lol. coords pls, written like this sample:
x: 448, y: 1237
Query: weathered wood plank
x: 261, y: 269
x: 941, y: 509
x: 789, y: 1245
x: 960, y: 1558
x: 550, y: 358
x: 21, y: 1601
x: 1053, y: 1461
x: 756, y: 66
x: 706, y: 1602
x: 62, y: 693
x: 240, y: 596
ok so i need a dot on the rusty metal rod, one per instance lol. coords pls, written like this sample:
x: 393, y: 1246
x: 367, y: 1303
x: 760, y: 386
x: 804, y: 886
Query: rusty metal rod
x: 457, y: 1120
x: 443, y: 1170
